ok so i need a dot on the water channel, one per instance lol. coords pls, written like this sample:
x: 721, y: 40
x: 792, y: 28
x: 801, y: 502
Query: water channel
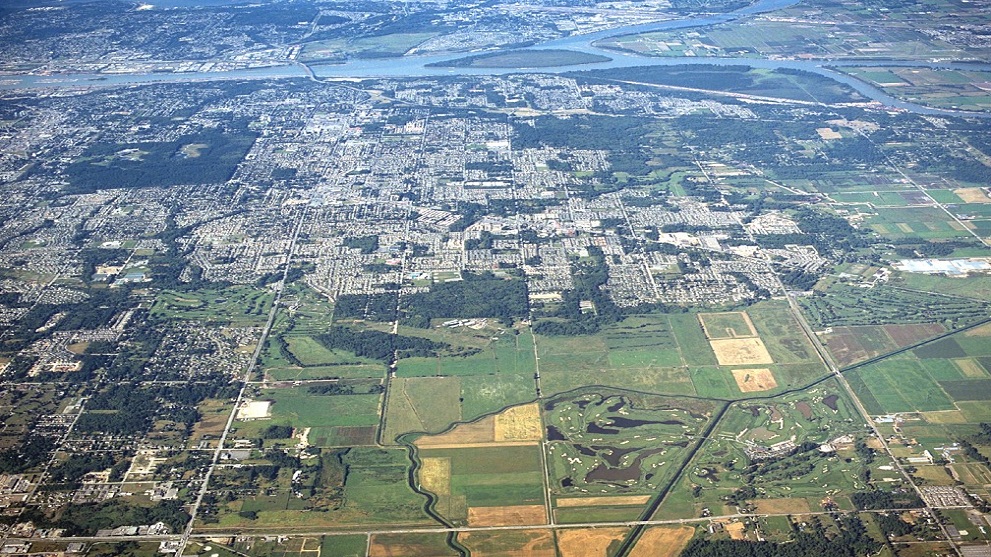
x: 420, y: 66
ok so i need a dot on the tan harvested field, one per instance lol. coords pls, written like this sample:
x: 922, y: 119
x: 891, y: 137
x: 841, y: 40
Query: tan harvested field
x: 519, y: 423
x: 588, y: 542
x: 662, y: 541
x: 780, y: 506
x: 740, y: 351
x: 973, y: 195
x: 615, y: 500
x: 513, y: 515
x: 513, y: 543
x: 736, y: 530
x: 754, y: 380
x: 481, y: 445
x: 828, y: 133
x: 970, y: 367
x: 435, y: 475
x: 982, y: 331
x: 482, y: 431
x: 933, y: 475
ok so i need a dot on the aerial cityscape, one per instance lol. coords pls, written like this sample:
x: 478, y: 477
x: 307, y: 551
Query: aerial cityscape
x: 560, y: 278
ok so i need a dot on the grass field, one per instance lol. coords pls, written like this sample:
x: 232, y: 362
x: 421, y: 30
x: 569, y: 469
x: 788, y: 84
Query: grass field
x: 781, y: 334
x: 645, y: 352
x: 310, y: 352
x: 735, y: 324
x: 344, y: 546
x: 487, y: 393
x: 295, y: 373
x: 300, y: 409
x: 421, y: 404
x: 373, y: 491
x: 501, y: 352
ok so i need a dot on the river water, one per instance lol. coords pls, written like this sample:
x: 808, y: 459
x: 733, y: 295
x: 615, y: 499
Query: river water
x: 420, y: 66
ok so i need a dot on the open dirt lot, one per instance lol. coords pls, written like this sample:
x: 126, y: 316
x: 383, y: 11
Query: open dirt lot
x: 591, y: 542
x: 616, y: 500
x: 973, y: 195
x: 785, y: 505
x: 740, y: 351
x: 662, y: 541
x: 514, y: 515
x: 736, y: 530
x: 753, y: 380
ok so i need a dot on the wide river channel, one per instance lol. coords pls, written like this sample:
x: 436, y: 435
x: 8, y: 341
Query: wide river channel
x: 420, y: 66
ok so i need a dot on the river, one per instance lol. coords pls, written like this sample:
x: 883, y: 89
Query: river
x: 420, y: 66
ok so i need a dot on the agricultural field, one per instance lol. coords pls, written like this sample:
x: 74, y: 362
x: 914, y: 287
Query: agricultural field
x: 935, y: 376
x: 644, y: 352
x: 581, y: 542
x: 320, y: 414
x: 929, y: 223
x: 850, y: 345
x: 662, y: 541
x: 477, y: 469
x: 538, y: 543
x: 411, y: 545
x: 958, y: 89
